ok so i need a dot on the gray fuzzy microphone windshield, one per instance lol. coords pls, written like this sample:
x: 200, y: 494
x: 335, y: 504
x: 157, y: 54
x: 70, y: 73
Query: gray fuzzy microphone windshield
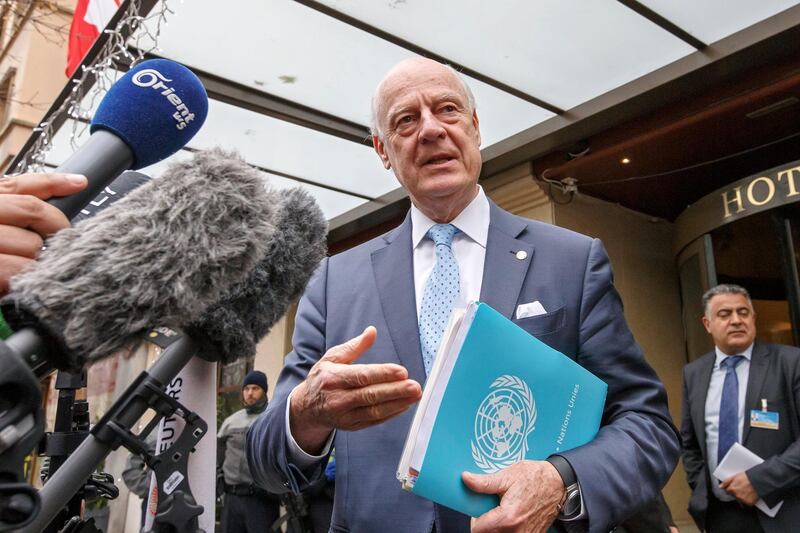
x: 230, y: 329
x: 159, y: 257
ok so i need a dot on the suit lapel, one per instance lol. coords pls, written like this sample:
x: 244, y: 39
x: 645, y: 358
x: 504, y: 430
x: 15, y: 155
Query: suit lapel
x: 698, y: 400
x: 393, y: 268
x: 755, y: 383
x: 503, y: 270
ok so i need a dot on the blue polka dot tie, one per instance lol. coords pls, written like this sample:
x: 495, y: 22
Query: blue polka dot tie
x: 441, y: 292
x: 729, y: 406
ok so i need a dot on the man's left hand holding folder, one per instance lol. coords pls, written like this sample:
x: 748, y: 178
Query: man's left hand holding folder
x: 531, y: 493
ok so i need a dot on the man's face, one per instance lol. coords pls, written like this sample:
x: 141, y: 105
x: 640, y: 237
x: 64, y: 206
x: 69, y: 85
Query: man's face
x: 731, y: 322
x: 252, y: 394
x: 430, y: 137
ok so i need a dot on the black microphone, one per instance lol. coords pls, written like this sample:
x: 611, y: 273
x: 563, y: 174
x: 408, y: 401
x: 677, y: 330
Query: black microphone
x: 111, y: 194
x: 159, y: 257
x: 231, y: 328
x: 147, y: 115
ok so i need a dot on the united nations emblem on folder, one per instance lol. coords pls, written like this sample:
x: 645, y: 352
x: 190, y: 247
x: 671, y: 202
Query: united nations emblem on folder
x: 503, y: 422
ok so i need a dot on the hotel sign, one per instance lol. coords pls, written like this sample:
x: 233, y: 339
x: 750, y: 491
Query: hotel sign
x: 754, y: 194
x: 761, y: 191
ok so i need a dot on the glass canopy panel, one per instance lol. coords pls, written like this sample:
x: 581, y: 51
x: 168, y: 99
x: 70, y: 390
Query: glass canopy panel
x: 288, y: 50
x: 283, y: 147
x: 564, y: 52
x: 332, y: 203
x: 712, y: 20
x: 501, y: 114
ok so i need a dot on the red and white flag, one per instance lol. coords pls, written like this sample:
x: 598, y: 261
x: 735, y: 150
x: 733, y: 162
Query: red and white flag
x: 90, y: 18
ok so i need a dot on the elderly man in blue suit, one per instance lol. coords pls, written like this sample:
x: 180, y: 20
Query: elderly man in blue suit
x: 359, y: 355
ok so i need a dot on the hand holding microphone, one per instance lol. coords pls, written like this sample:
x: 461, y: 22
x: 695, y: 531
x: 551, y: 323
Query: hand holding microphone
x: 148, y: 114
x: 26, y: 219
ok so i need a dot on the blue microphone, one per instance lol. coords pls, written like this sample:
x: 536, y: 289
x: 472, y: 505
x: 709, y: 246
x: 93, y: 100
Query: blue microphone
x: 147, y: 115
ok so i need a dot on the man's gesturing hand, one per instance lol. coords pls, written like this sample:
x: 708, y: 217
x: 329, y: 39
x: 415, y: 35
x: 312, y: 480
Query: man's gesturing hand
x: 529, y: 491
x: 340, y: 395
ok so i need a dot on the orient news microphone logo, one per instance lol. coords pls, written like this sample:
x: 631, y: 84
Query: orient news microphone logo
x: 152, y: 78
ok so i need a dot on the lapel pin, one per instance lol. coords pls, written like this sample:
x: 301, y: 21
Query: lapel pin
x: 521, y: 255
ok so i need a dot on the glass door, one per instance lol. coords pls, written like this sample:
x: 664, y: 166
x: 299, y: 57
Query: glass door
x: 697, y: 274
x: 787, y: 223
x: 759, y: 253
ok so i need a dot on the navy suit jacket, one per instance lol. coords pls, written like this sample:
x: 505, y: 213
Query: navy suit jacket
x: 775, y: 376
x: 624, y: 467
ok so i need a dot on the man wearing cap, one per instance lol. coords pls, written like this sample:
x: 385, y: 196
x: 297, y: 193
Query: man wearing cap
x: 247, y: 507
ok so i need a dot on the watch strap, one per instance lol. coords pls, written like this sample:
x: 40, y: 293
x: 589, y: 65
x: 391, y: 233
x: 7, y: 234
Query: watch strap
x: 570, y: 506
x: 564, y: 470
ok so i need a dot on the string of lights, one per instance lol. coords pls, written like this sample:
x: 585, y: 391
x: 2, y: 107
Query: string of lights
x: 128, y: 43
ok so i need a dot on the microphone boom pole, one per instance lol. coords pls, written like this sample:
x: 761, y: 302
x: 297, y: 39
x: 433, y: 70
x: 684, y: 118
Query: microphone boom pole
x: 124, y: 414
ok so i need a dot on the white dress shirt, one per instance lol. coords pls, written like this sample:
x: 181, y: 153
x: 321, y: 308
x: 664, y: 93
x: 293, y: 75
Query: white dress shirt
x: 713, y: 399
x: 469, y: 248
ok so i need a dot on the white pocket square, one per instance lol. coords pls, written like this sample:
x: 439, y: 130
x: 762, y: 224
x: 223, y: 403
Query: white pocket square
x: 530, y: 309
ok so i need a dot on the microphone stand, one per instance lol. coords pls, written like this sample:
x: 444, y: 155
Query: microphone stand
x: 296, y: 517
x: 70, y: 428
x: 177, y: 510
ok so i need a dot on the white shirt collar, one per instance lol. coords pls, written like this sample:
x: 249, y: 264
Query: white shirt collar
x: 473, y: 221
x: 747, y: 353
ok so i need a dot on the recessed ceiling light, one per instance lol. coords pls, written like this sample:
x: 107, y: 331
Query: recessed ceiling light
x: 624, y: 160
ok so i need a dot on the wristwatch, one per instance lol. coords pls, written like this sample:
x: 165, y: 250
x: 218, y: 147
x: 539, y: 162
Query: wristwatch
x: 572, y: 502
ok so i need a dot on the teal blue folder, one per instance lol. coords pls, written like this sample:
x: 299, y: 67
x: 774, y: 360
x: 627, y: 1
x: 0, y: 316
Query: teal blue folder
x: 509, y: 397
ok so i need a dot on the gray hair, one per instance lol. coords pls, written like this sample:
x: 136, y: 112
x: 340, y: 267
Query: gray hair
x: 724, y: 288
x: 373, y: 121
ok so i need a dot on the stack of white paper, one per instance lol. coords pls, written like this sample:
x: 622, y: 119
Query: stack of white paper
x: 420, y: 433
x: 738, y: 459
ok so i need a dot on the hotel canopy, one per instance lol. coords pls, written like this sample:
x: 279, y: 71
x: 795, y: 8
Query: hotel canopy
x: 290, y: 82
